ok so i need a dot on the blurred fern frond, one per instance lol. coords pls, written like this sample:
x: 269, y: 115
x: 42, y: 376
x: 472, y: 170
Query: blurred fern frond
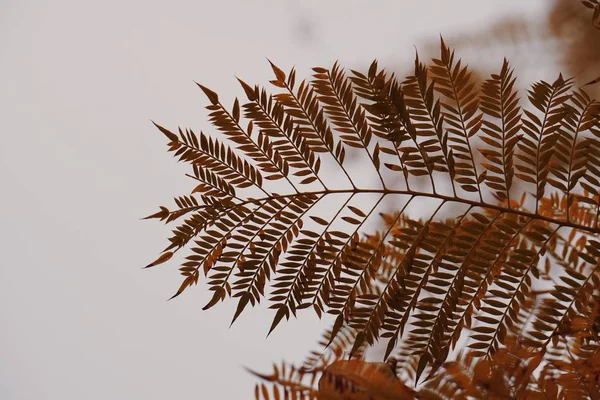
x: 516, y: 371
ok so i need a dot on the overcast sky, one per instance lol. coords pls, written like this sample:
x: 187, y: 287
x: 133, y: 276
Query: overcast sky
x: 80, y: 163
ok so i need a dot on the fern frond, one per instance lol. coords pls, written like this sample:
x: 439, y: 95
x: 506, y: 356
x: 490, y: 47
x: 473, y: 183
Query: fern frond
x: 425, y: 113
x: 542, y: 133
x: 500, y: 100
x: 461, y: 115
x: 302, y: 106
x: 463, y: 269
x: 340, y: 103
x: 269, y: 115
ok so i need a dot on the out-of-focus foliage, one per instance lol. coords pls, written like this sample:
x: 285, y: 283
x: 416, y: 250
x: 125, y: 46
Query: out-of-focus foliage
x: 515, y: 371
x: 595, y: 6
x: 569, y: 36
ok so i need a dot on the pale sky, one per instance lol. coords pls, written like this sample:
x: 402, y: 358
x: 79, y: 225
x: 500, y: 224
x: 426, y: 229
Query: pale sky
x: 80, y: 163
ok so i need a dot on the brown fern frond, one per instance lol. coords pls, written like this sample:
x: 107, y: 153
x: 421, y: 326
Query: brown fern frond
x: 448, y: 268
x: 258, y: 150
x: 339, y: 102
x: 425, y: 113
x: 500, y: 100
x: 269, y: 115
x: 541, y: 132
x: 302, y: 106
x: 461, y: 115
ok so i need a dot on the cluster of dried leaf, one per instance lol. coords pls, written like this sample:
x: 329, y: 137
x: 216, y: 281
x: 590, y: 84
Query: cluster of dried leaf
x: 506, y: 264
x: 513, y: 372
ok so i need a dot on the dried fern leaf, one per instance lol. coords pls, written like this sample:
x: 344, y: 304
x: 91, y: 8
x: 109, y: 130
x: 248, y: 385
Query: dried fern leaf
x: 512, y: 209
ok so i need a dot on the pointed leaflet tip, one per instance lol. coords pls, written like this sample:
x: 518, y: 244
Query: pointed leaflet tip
x: 163, y: 258
x: 241, y: 305
x: 278, y: 72
x: 212, y: 96
x: 339, y: 321
x: 416, y: 54
x: 592, y: 82
x: 261, y: 376
x: 390, y: 346
x: 162, y: 214
x: 186, y: 282
x: 421, y: 367
x: 281, y: 312
x: 250, y: 92
x: 372, y: 69
x: 173, y: 137
x: 444, y: 50
x: 172, y: 297
x: 215, y: 299
x: 360, y: 339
